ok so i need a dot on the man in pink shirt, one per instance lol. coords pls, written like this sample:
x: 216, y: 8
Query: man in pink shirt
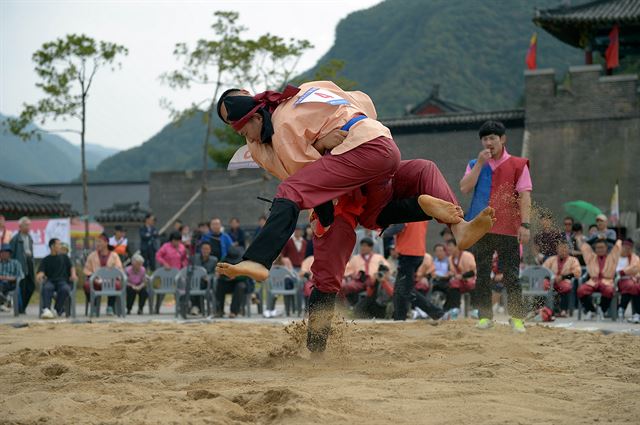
x: 285, y: 133
x: 172, y: 254
x: 501, y: 181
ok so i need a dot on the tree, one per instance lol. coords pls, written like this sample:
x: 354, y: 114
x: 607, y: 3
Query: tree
x: 66, y: 68
x: 266, y: 62
x: 330, y: 70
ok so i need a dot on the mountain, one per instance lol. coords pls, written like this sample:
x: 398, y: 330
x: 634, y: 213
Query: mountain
x: 474, y: 50
x: 175, y: 147
x: 30, y: 161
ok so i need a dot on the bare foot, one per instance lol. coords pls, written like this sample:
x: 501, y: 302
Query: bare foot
x: 469, y: 232
x: 255, y: 271
x: 441, y: 210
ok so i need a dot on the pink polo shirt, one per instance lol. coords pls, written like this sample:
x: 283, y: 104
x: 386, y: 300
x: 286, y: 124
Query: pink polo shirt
x: 174, y: 258
x: 524, y: 182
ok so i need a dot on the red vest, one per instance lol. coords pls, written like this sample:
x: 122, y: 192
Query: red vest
x: 504, y: 197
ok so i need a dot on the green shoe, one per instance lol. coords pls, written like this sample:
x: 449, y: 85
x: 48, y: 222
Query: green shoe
x: 517, y: 325
x: 484, y: 323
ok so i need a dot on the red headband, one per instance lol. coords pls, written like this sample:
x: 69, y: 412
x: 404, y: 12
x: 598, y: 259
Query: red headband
x: 270, y: 99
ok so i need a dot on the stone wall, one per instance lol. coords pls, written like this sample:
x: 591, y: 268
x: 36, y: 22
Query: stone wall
x: 584, y: 135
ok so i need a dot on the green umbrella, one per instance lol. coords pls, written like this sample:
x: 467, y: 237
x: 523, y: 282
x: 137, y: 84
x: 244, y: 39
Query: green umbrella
x: 582, y: 211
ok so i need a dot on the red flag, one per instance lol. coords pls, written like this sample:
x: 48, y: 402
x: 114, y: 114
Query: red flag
x: 611, y: 55
x: 531, y: 53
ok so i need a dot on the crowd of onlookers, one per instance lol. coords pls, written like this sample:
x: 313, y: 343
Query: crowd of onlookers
x: 583, y: 264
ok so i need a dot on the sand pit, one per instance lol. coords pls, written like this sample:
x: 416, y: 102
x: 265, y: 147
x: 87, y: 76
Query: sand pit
x: 234, y: 373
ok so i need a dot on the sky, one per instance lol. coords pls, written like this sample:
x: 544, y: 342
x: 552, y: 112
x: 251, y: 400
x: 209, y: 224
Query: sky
x: 124, y: 106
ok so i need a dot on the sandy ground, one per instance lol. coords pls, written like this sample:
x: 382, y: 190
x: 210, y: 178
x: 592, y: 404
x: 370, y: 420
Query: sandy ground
x: 373, y: 373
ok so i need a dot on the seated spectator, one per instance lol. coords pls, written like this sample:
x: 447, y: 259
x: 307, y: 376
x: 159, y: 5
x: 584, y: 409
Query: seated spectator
x: 185, y: 237
x: 424, y: 273
x: 295, y: 248
x: 209, y: 262
x: 565, y: 268
x: 136, y: 283
x: 306, y: 275
x: 378, y: 242
x: 261, y: 221
x: 172, y: 254
x: 602, y: 232
x: 568, y: 232
x: 442, y: 273
x: 10, y: 273
x: 271, y: 310
x: 462, y: 265
x: 220, y: 242
x: 446, y: 234
x: 392, y: 259
x: 5, y: 234
x: 55, y: 274
x: 575, y: 251
x: 545, y: 242
x: 361, y: 270
x: 236, y: 233
x: 236, y: 286
x: 593, y: 230
x: 602, y: 269
x: 629, y: 284
x: 378, y: 296
x: 308, y: 236
x: 103, y: 256
x: 120, y: 243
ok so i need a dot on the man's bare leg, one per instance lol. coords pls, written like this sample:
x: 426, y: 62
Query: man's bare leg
x: 255, y: 271
x: 441, y: 210
x: 468, y: 233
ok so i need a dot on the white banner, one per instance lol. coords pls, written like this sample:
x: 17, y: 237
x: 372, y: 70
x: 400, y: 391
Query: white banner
x: 242, y: 159
x: 44, y: 230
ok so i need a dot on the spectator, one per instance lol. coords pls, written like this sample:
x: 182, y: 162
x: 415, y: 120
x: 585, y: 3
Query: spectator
x: 236, y: 286
x: 629, y: 284
x: 462, y: 265
x: 446, y: 234
x: 306, y: 275
x: 172, y: 254
x: 295, y: 249
x: 10, y: 273
x: 575, y: 251
x: 593, y: 230
x: 602, y: 232
x: 103, y: 256
x: 361, y: 270
x: 261, y: 221
x: 236, y: 233
x: 378, y: 243
x: 565, y: 268
x: 392, y: 259
x: 208, y: 262
x: 120, y: 243
x: 22, y: 250
x: 424, y: 274
x: 411, y: 243
x: 185, y: 236
x: 602, y: 269
x: 55, y: 274
x: 220, y: 242
x: 308, y: 236
x: 441, y: 273
x: 545, y: 242
x: 5, y: 234
x: 136, y: 283
x: 149, y: 242
x: 378, y: 296
x: 177, y: 226
x: 568, y: 232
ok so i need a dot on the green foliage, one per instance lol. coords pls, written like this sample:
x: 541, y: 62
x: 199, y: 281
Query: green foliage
x: 331, y: 70
x: 66, y: 68
x: 267, y: 61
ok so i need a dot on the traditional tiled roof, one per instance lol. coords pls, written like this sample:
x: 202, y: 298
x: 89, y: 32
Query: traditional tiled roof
x: 19, y: 200
x: 591, y: 22
x: 444, y: 122
x: 436, y: 101
x: 600, y: 11
x: 125, y: 212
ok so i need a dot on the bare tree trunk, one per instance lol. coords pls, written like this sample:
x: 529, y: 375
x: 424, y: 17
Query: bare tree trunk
x: 85, y: 189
